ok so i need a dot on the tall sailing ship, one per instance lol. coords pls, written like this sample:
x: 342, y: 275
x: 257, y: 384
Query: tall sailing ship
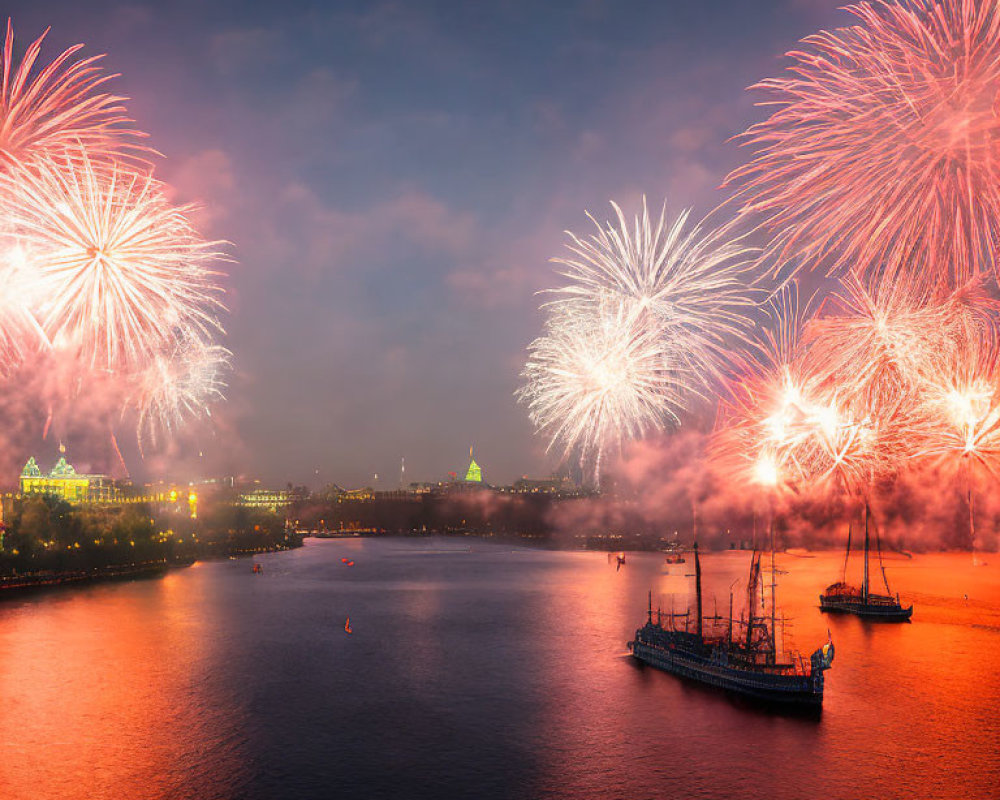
x: 742, y: 657
x: 844, y: 598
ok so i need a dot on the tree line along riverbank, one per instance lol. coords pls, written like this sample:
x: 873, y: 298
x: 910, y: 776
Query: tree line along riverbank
x: 47, y: 541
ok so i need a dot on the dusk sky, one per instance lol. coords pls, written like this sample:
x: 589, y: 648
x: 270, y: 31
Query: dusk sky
x: 395, y: 177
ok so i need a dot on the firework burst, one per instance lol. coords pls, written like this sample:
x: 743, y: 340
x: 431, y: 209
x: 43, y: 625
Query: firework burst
x: 783, y: 426
x: 687, y: 284
x: 109, y: 292
x: 640, y: 328
x: 595, y: 380
x: 179, y: 385
x: 123, y: 270
x: 884, y: 154
x: 759, y: 421
x: 962, y: 401
x: 63, y: 105
x: 874, y: 344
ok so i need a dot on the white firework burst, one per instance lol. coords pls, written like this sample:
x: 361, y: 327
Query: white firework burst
x: 178, y: 385
x: 690, y: 282
x: 598, y: 378
x: 642, y: 328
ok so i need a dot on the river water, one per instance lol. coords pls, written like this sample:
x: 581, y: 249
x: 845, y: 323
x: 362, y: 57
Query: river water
x: 481, y: 670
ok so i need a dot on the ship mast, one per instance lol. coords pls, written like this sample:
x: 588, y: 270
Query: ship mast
x: 752, y: 594
x: 774, y: 587
x: 697, y: 585
x: 730, y: 618
x: 847, y: 555
x: 864, y: 585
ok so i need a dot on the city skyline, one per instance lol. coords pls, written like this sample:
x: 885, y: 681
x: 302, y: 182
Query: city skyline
x: 466, y: 471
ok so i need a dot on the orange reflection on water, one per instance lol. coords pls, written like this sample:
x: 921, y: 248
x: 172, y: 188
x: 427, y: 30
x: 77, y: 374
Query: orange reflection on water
x: 100, y: 693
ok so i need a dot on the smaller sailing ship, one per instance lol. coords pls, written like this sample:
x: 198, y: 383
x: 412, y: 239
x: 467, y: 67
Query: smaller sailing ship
x: 843, y: 598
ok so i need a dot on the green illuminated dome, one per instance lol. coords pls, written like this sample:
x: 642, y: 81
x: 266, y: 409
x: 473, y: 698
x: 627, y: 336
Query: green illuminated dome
x: 475, y: 473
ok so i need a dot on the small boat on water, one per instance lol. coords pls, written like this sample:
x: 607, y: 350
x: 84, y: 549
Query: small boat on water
x: 347, y: 626
x: 841, y: 597
x: 742, y: 657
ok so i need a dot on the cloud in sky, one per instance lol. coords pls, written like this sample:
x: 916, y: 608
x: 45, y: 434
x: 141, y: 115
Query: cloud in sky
x: 395, y: 179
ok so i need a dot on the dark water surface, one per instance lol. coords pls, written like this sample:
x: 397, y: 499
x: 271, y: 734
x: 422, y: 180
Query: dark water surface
x: 480, y: 670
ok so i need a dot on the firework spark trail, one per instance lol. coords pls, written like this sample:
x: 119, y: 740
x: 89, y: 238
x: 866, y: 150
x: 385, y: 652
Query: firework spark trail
x: 61, y: 106
x: 884, y: 153
x: 122, y: 270
x: 118, y: 452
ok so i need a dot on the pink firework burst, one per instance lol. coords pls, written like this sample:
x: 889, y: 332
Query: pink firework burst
x: 962, y: 401
x: 884, y: 153
x: 62, y: 105
x: 873, y: 343
x: 123, y: 272
x: 791, y: 422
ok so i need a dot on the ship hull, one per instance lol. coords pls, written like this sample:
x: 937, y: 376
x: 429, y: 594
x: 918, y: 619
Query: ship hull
x: 885, y: 613
x: 791, y: 690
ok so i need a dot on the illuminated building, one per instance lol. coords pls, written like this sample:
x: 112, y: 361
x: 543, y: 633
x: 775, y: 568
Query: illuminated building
x: 67, y: 484
x: 473, y: 481
x: 271, y: 500
x: 363, y: 495
x: 474, y: 474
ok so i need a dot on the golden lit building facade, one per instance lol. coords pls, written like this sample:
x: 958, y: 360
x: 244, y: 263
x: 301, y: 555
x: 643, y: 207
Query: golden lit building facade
x: 67, y: 484
x: 272, y: 500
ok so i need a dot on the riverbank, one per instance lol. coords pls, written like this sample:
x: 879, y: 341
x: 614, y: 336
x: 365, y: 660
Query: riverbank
x: 18, y: 584
x: 26, y: 582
